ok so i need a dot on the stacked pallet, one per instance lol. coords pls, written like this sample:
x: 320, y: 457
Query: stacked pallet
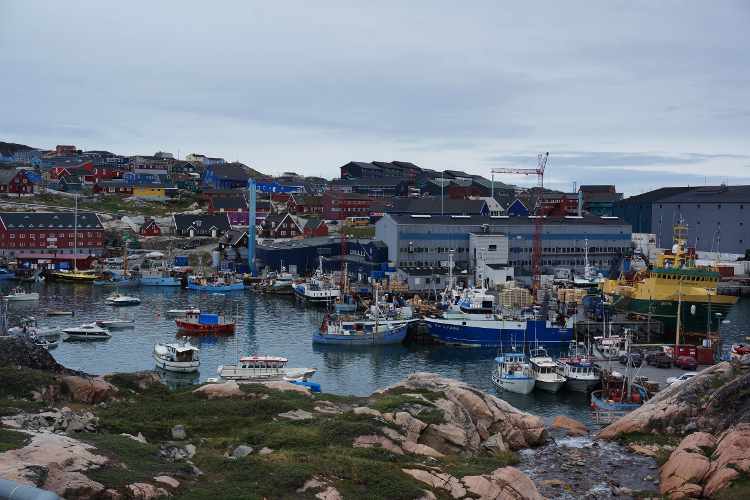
x: 515, y: 297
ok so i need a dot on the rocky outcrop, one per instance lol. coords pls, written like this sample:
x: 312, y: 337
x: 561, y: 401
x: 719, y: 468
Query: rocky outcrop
x: 60, y: 421
x: 88, y: 389
x: 507, y: 483
x: 15, y: 351
x: 473, y: 418
x: 677, y: 404
x: 230, y: 389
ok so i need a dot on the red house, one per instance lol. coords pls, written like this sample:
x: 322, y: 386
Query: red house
x: 279, y: 226
x: 51, y: 232
x: 113, y: 187
x: 355, y: 205
x: 150, y: 228
x: 301, y: 204
x: 66, y: 167
x: 15, y: 182
x: 315, y: 227
x: 233, y: 205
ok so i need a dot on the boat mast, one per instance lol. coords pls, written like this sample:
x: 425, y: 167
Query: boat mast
x: 679, y: 305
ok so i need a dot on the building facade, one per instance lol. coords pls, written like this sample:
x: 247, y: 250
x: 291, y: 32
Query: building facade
x: 42, y: 232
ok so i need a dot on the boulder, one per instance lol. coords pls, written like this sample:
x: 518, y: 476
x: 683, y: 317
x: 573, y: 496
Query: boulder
x: 145, y: 491
x: 242, y: 451
x: 174, y: 483
x: 495, y: 445
x: 439, y: 480
x: 88, y: 389
x: 567, y: 423
x: 178, y: 432
x: 445, y: 438
x: 642, y: 450
x: 681, y: 468
x: 413, y: 426
x: 382, y: 441
x: 214, y: 391
x: 369, y: 411
x: 730, y: 457
x: 693, y: 442
x: 420, y: 449
x: 507, y: 483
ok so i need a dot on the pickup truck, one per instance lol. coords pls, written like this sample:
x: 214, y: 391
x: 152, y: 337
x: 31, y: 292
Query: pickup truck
x: 659, y: 358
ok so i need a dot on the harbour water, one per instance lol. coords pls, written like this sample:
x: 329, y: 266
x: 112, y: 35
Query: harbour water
x: 281, y: 326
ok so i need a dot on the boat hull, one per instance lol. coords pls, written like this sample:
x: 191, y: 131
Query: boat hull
x: 319, y: 297
x: 130, y: 282
x: 581, y: 384
x: 216, y: 288
x: 87, y: 336
x: 519, y: 385
x: 21, y: 298
x: 229, y: 327
x: 59, y: 312
x: 549, y: 385
x: 74, y: 278
x: 176, y: 366
x: 394, y: 335
x: 168, y: 281
x: 665, y: 310
x: 496, y: 333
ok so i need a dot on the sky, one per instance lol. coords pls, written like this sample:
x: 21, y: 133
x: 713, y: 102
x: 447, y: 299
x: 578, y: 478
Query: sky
x: 638, y: 94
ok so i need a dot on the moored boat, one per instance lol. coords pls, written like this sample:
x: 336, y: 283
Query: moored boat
x: 31, y: 330
x: 513, y: 373
x: 579, y: 371
x: 183, y: 312
x: 202, y: 322
x: 545, y: 371
x: 19, y: 294
x: 219, y: 282
x: 332, y: 331
x: 87, y: 331
x: 262, y: 369
x: 117, y: 323
x: 180, y: 356
x: 319, y: 289
x: 119, y: 299
x: 59, y: 312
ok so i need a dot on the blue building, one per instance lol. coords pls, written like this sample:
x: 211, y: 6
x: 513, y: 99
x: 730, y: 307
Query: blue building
x: 225, y: 176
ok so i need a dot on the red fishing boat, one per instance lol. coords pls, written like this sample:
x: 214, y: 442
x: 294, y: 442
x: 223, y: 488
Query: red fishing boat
x: 202, y: 322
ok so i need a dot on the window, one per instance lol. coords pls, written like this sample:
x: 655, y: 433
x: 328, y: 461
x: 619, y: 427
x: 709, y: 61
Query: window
x: 12, y: 235
x: 719, y: 207
x: 62, y: 235
x: 492, y: 248
x: 21, y: 235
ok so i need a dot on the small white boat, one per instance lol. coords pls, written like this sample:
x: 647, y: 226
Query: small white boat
x: 19, y: 293
x: 47, y: 344
x: 117, y: 323
x: 180, y: 356
x: 262, y: 369
x: 118, y: 299
x: 545, y: 371
x: 87, y: 331
x: 183, y: 312
x: 513, y: 373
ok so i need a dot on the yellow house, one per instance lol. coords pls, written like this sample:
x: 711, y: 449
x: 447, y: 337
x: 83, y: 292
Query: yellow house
x: 156, y: 191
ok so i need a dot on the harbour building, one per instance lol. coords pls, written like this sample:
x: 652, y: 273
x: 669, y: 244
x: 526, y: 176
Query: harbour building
x: 421, y: 241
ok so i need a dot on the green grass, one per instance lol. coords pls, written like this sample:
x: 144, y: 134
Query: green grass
x: 20, y: 383
x: 130, y: 461
x: 474, y: 466
x: 12, y: 440
x: 359, y: 231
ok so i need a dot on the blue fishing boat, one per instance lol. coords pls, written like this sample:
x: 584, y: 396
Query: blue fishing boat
x: 216, y: 283
x: 333, y: 332
x: 5, y: 274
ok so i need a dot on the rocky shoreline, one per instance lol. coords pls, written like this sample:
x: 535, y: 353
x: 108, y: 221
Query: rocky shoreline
x: 419, y: 423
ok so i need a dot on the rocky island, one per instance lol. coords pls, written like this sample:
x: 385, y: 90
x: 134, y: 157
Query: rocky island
x: 128, y: 436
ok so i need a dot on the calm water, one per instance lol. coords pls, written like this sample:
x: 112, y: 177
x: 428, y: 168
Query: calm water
x: 269, y: 325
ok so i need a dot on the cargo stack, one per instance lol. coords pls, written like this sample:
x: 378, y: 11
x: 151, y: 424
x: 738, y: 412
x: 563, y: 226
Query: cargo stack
x: 515, y: 297
x: 396, y: 285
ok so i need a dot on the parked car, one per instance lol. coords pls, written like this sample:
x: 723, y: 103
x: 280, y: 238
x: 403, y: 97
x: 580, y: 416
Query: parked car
x: 189, y: 245
x: 659, y: 358
x: 684, y: 376
x: 685, y: 362
x: 635, y: 359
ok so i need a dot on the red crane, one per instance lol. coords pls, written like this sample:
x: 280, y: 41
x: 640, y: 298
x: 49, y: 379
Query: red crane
x: 536, y: 253
x: 344, y: 238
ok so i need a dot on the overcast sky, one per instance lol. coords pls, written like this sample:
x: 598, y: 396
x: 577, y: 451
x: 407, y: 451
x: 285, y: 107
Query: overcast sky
x: 637, y: 94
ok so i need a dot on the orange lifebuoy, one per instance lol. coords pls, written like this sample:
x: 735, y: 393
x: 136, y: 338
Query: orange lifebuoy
x: 613, y: 393
x: 670, y: 351
x: 488, y: 315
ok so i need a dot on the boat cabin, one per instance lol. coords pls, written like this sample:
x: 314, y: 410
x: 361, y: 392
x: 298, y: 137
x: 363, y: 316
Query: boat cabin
x: 262, y: 363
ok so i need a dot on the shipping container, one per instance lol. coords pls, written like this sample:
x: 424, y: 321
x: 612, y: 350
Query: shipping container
x: 684, y: 350
x: 705, y: 355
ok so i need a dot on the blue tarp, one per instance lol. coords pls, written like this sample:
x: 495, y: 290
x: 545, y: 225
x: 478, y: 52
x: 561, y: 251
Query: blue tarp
x: 209, y: 319
x: 181, y: 261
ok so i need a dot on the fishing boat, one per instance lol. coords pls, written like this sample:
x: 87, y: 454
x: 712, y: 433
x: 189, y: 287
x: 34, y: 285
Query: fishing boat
x: 158, y: 276
x: 87, y: 331
x: 5, y: 274
x: 116, y: 281
x: 544, y: 370
x: 59, y: 312
x: 219, y: 282
x: 675, y: 283
x: 180, y: 356
x: 29, y: 329
x: 262, y: 369
x: 579, y: 371
x: 589, y: 278
x: 471, y: 318
x: 513, y: 373
x: 319, y: 289
x: 119, y: 299
x: 19, y: 294
x: 182, y: 312
x: 202, y: 322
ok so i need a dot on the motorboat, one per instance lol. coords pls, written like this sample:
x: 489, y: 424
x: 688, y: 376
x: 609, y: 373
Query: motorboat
x: 332, y: 331
x: 220, y: 282
x: 119, y: 299
x: 74, y: 276
x: 122, y: 282
x: 47, y: 344
x: 158, y: 276
x: 319, y: 289
x: 87, y: 331
x: 262, y: 369
x: 19, y: 293
x: 579, y: 371
x: 202, y: 322
x: 180, y: 356
x: 183, y: 312
x: 545, y: 371
x: 117, y: 323
x: 513, y: 373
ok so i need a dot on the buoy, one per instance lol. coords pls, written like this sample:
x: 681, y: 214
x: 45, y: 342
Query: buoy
x: 44, y: 314
x: 593, y: 405
x: 158, y: 314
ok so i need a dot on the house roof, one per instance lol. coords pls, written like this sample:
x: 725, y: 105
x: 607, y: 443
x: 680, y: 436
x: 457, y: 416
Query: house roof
x: 6, y: 176
x: 474, y: 220
x: 147, y: 224
x: 277, y: 218
x: 232, y: 237
x: 72, y: 164
x: 49, y: 220
x: 80, y: 172
x: 210, y: 191
x: 385, y: 164
x: 314, y: 223
x: 184, y: 222
x: 596, y: 187
x: 657, y: 194
x: 602, y: 197
x: 712, y: 194
x: 226, y: 202
x: 229, y: 171
x: 406, y: 164
x: 420, y: 206
x: 71, y: 179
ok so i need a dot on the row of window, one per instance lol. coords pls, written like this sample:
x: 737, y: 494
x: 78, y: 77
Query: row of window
x: 434, y: 249
x: 51, y: 235
x: 42, y: 244
x: 567, y: 249
x: 686, y: 279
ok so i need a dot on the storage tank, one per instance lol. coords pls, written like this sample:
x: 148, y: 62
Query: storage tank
x: 216, y: 258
